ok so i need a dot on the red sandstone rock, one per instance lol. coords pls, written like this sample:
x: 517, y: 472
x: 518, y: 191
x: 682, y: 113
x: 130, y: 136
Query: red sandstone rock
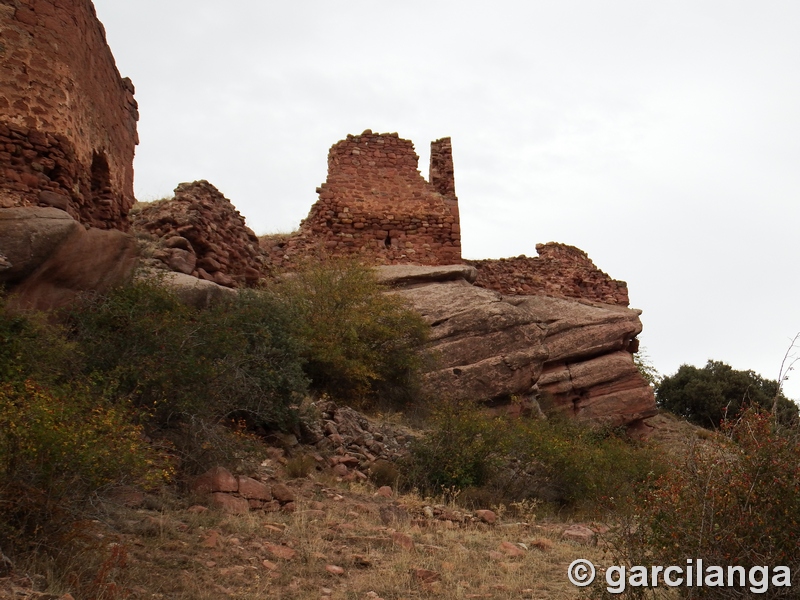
x: 580, y: 534
x: 203, y: 234
x: 487, y: 516
x: 511, y: 550
x: 490, y: 348
x: 230, y: 503
x: 67, y: 118
x: 87, y: 260
x: 403, y: 540
x: 250, y: 488
x: 334, y: 570
x: 385, y: 491
x: 282, y: 552
x: 216, y: 479
x: 282, y: 493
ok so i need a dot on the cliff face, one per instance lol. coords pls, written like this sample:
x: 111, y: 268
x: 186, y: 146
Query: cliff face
x: 67, y: 118
x: 511, y: 351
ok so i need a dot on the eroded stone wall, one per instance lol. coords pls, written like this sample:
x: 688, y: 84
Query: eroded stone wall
x: 200, y: 233
x: 67, y: 118
x: 376, y: 205
x: 559, y: 270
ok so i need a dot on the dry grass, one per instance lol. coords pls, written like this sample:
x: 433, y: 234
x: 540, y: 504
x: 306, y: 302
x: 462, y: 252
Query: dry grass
x: 175, y: 554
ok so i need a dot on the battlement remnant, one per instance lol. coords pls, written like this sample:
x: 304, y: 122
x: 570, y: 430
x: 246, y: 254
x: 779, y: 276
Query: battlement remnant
x: 67, y: 118
x: 375, y: 204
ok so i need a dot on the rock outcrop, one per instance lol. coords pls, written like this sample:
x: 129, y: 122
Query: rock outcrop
x: 52, y: 258
x: 200, y: 233
x: 574, y: 356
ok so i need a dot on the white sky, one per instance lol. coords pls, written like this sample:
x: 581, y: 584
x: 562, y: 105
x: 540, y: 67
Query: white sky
x: 663, y: 138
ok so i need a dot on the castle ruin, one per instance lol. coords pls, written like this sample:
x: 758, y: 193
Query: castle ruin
x: 67, y: 118
x: 375, y: 204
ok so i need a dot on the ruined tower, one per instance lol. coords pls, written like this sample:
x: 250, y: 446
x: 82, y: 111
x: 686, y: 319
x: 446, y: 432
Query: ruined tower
x: 375, y: 204
x: 67, y: 118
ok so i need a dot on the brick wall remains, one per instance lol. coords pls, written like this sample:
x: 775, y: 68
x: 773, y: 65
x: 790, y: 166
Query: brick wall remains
x: 559, y: 270
x: 67, y: 118
x: 376, y: 205
x: 200, y: 233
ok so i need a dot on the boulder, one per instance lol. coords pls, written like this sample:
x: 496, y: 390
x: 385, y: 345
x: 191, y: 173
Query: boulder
x: 575, y: 355
x: 83, y: 260
x: 190, y: 290
x: 29, y: 236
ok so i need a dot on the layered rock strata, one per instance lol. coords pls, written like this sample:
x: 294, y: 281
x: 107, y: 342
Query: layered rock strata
x: 67, y: 118
x: 200, y: 233
x: 574, y: 356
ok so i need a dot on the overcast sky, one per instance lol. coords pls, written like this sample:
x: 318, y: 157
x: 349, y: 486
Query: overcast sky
x: 663, y: 138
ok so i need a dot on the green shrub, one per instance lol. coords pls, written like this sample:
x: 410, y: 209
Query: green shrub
x: 176, y: 363
x: 577, y: 464
x: 33, y: 347
x: 462, y: 450
x: 705, y: 396
x: 568, y: 463
x: 360, y: 344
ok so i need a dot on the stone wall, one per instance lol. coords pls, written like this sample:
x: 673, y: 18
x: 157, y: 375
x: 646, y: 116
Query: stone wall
x: 67, y: 118
x: 376, y: 205
x: 559, y: 270
x: 200, y: 233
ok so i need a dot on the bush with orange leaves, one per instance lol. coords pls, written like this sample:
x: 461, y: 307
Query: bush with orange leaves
x: 732, y: 502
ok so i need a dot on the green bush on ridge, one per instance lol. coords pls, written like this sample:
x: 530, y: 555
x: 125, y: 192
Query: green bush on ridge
x: 175, y: 362
x: 706, y: 396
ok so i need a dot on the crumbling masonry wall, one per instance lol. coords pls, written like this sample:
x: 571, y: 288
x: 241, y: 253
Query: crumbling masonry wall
x: 559, y: 270
x: 376, y: 205
x: 67, y: 118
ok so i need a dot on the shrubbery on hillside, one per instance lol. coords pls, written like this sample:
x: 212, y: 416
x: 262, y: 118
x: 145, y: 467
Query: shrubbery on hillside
x: 735, y: 502
x: 706, y: 396
x: 360, y: 344
x: 174, y: 362
x: 569, y: 463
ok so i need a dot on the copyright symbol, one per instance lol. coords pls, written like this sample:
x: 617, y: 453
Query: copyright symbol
x: 581, y: 572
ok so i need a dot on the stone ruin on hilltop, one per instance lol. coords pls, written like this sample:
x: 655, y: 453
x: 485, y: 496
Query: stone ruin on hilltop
x: 375, y: 204
x: 550, y: 326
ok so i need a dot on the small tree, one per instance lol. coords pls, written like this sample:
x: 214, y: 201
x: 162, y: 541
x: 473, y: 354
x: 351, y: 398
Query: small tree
x: 706, y: 396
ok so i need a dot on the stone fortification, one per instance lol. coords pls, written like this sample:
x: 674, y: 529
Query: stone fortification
x: 376, y: 205
x: 200, y: 233
x: 559, y: 270
x: 67, y: 118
